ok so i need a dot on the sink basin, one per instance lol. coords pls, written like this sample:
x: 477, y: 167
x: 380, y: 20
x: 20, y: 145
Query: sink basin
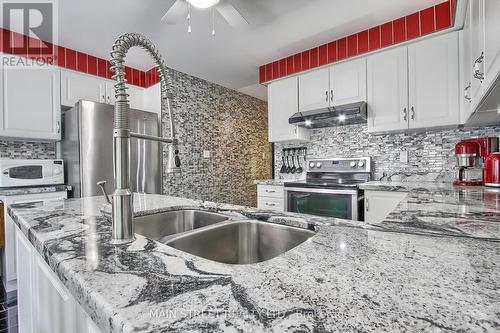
x: 241, y: 242
x: 162, y: 226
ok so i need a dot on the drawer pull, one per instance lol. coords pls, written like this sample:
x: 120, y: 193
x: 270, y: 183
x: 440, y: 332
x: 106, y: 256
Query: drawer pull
x: 270, y: 191
x: 270, y: 204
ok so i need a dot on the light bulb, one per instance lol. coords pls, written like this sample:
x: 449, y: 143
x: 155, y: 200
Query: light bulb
x: 203, y: 3
x: 342, y: 117
x: 213, y: 32
x: 308, y: 122
x: 189, y: 28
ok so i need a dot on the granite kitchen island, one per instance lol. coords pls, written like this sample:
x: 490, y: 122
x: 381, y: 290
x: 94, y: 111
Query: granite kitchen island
x: 350, y: 276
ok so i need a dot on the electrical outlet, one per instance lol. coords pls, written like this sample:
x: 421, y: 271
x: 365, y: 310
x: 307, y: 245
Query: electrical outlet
x: 206, y: 154
x: 403, y: 156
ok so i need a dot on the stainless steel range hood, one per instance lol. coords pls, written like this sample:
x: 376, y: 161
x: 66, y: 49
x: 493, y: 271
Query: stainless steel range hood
x: 354, y: 113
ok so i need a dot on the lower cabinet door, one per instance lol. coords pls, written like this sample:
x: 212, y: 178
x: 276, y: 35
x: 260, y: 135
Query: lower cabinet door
x: 25, y: 302
x: 44, y: 303
x: 56, y: 310
x: 378, y: 204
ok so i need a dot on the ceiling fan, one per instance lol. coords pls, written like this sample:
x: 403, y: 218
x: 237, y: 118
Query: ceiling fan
x: 181, y: 10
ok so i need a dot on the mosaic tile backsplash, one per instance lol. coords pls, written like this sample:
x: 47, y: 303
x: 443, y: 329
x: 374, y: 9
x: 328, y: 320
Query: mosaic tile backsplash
x: 27, y: 150
x: 430, y: 154
x: 232, y: 126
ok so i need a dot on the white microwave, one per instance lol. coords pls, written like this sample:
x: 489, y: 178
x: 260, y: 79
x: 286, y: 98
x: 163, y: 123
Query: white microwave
x: 17, y: 173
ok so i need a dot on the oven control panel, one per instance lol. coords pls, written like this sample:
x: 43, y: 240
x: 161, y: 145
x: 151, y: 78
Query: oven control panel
x: 361, y: 164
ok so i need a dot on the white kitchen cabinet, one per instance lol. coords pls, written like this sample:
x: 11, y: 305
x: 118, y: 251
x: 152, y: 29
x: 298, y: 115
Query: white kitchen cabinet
x: 378, y: 204
x: 387, y: 98
x: 415, y: 86
x: 491, y: 10
x: 76, y: 86
x: 314, y: 90
x: 151, y: 99
x: 30, y: 102
x: 434, y: 82
x: 477, y: 48
x: 348, y: 82
x: 339, y: 84
x: 9, y: 266
x: 25, y: 304
x: 44, y: 303
x: 466, y: 69
x: 55, y: 307
x: 271, y: 197
x: 283, y: 103
x: 135, y: 97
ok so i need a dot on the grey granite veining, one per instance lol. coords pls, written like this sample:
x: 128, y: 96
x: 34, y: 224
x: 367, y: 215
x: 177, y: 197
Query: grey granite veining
x: 443, y: 209
x: 430, y: 153
x: 349, y: 277
x: 8, y: 191
x: 276, y: 182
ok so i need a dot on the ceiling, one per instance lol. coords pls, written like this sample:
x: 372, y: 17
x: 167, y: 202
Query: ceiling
x: 277, y: 28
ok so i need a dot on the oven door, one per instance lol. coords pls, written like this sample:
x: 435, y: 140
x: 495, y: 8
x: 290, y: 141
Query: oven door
x: 323, y: 202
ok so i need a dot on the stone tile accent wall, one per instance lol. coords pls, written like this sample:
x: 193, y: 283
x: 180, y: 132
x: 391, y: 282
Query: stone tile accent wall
x: 27, y: 150
x: 430, y: 154
x: 233, y: 126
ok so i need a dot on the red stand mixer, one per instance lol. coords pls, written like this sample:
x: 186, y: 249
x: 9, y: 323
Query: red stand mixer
x: 471, y: 155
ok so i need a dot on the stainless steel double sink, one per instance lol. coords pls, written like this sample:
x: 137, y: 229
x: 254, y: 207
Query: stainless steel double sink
x: 216, y: 237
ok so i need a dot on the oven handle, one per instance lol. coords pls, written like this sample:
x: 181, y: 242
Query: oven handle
x: 320, y: 190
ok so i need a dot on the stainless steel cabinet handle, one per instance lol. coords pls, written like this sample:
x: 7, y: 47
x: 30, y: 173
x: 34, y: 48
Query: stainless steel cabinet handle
x: 412, y: 113
x: 58, y: 126
x: 478, y: 73
x: 326, y: 96
x: 270, y: 204
x: 270, y: 191
x: 466, y: 92
x: 103, y: 99
x: 367, y: 206
x: 405, y: 114
x: 331, y: 95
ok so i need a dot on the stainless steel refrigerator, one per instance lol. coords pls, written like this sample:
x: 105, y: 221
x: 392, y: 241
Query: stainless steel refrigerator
x: 87, y: 149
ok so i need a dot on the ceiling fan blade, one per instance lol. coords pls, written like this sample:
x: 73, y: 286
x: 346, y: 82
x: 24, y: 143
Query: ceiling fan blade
x: 175, y: 13
x: 231, y: 15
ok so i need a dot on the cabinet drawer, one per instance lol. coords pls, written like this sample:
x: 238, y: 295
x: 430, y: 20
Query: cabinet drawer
x: 276, y: 204
x: 274, y: 191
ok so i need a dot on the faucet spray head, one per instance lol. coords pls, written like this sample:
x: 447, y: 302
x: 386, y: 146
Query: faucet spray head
x: 173, y: 160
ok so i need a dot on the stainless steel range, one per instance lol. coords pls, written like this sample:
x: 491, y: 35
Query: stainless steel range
x: 331, y: 188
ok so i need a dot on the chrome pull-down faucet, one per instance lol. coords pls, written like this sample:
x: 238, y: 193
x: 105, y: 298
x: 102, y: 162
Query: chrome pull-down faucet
x: 122, y: 201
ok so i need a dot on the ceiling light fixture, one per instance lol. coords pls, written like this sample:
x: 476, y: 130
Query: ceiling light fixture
x: 202, y: 4
x: 342, y: 117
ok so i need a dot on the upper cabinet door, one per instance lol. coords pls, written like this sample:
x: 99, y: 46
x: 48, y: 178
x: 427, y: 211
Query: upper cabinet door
x: 348, y: 82
x: 81, y: 86
x: 314, y: 90
x: 388, y: 90
x: 477, y: 46
x: 466, y: 65
x: 433, y: 82
x: 110, y: 93
x: 282, y: 103
x: 135, y: 97
x: 31, y: 103
x: 491, y: 41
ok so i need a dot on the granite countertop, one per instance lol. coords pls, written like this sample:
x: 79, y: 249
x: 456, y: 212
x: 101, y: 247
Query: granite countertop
x: 8, y: 191
x: 348, y: 277
x: 277, y: 182
x: 443, y: 209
